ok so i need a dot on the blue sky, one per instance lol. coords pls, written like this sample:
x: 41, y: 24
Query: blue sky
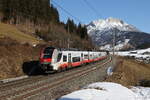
x: 135, y: 12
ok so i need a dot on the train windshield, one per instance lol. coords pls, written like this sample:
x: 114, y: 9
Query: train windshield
x: 47, y: 56
x: 48, y: 52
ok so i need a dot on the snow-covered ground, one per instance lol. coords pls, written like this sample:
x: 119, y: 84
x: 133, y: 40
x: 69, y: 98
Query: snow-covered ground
x: 136, y: 53
x: 141, y: 55
x: 119, y: 45
x: 108, y: 91
x: 143, y: 93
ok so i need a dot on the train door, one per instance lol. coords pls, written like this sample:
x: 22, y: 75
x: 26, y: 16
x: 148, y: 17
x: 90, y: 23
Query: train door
x: 69, y: 60
x: 88, y: 55
x: 82, y: 58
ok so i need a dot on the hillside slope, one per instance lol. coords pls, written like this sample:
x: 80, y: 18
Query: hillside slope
x: 13, y: 58
x: 10, y: 31
x: 16, y: 49
x: 129, y: 72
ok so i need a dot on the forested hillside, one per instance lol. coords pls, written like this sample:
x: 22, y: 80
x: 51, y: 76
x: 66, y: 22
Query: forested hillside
x: 36, y: 11
x: 41, y: 18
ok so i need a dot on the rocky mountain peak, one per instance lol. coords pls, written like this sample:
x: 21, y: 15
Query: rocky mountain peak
x: 110, y: 23
x: 127, y: 36
x: 115, y: 21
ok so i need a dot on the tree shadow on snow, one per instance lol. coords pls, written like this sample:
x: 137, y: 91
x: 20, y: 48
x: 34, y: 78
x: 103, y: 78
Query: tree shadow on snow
x: 144, y: 83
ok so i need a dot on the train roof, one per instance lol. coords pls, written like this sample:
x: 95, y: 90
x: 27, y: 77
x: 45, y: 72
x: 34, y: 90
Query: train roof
x: 73, y: 49
x: 49, y: 47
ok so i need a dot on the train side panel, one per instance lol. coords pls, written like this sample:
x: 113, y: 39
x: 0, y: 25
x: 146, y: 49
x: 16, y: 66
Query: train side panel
x: 55, y: 59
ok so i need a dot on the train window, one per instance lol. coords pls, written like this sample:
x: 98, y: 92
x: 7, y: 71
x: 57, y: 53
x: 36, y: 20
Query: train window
x: 81, y: 54
x: 47, y: 56
x: 64, y: 58
x: 59, y: 57
x: 69, y: 57
x: 48, y: 51
x: 86, y: 57
x: 76, y: 59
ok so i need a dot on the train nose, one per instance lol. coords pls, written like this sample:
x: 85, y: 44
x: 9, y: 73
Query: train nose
x: 47, y: 60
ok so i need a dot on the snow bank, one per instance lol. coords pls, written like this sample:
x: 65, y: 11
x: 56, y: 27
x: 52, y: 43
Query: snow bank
x: 143, y: 93
x: 102, y: 91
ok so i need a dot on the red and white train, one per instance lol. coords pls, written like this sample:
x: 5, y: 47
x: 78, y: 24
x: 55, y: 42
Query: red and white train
x: 53, y: 59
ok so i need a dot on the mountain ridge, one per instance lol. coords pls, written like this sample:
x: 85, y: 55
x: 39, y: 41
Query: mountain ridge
x: 102, y: 33
x: 110, y: 23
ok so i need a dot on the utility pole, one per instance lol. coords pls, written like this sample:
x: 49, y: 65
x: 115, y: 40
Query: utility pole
x: 68, y: 43
x: 50, y: 2
x: 113, y: 57
x: 68, y: 38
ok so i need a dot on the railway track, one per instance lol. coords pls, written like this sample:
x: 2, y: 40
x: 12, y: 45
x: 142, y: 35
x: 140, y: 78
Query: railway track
x: 27, y: 89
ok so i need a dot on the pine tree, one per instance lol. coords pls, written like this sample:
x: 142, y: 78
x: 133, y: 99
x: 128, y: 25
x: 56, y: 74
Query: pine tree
x: 37, y: 11
x: 82, y: 31
x: 71, y: 26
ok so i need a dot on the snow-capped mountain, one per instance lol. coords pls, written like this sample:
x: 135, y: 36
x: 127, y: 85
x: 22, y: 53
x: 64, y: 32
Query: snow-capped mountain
x: 110, y: 23
x: 101, y: 32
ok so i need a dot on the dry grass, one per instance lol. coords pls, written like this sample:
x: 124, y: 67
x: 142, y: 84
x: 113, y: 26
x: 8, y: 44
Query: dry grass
x: 13, y: 33
x: 129, y: 72
x: 12, y: 58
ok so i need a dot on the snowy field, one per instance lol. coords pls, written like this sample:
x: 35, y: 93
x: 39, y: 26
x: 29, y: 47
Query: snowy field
x: 108, y: 91
x: 137, y: 53
x: 140, y: 55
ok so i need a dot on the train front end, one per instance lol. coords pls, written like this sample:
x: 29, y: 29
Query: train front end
x: 46, y: 59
